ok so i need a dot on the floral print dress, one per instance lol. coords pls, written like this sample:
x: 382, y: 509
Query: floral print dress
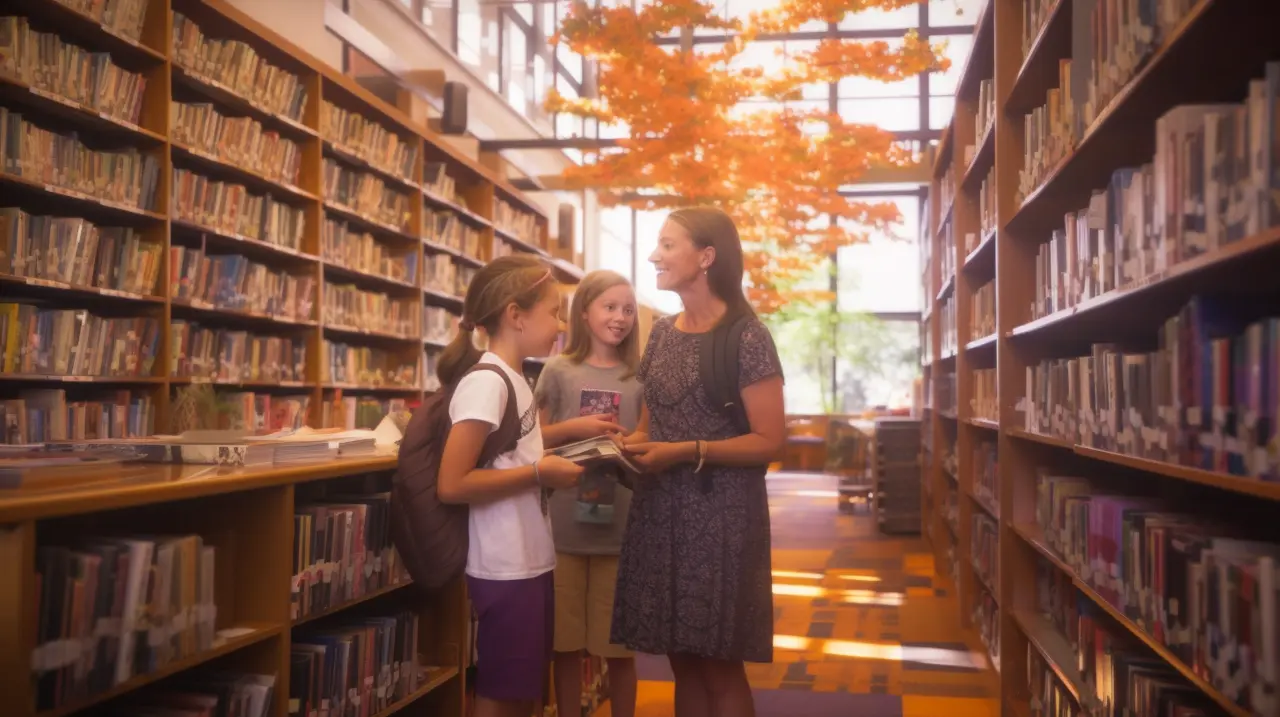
x: 694, y: 576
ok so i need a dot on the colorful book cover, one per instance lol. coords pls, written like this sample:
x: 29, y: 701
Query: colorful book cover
x: 598, y: 487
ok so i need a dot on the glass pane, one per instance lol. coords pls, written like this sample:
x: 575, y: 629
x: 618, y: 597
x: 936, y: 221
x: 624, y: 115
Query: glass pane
x: 648, y: 225
x: 742, y: 9
x: 568, y: 125
x: 954, y: 12
x: 890, y: 114
x: 470, y: 32
x: 570, y: 61
x: 525, y: 10
x: 901, y: 19
x: 437, y: 16
x: 856, y: 87
x: 515, y: 63
x: 618, y: 130
x: 876, y: 364
x: 615, y: 254
x: 940, y: 111
x: 883, y: 274
x: 956, y: 49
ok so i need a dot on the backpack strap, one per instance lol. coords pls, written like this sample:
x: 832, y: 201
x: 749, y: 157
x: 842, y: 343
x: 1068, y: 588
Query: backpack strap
x: 504, y: 439
x: 720, y: 367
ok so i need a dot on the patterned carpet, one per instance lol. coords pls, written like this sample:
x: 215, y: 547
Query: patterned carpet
x: 860, y: 628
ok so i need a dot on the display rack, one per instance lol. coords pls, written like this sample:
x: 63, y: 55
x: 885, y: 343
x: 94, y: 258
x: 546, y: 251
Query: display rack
x: 349, y: 231
x: 1101, y: 352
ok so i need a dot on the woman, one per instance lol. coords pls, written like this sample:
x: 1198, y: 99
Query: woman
x: 694, y: 577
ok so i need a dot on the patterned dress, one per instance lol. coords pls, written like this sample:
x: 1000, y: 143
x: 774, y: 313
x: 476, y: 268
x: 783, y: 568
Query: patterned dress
x: 694, y: 576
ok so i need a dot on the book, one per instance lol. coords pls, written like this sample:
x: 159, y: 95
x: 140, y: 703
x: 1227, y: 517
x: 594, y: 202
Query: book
x: 594, y: 452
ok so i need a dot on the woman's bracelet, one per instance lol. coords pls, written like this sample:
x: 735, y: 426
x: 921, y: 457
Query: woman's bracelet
x: 700, y: 448
x: 537, y: 476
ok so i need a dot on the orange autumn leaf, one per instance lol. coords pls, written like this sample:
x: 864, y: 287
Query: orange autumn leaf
x: 777, y: 170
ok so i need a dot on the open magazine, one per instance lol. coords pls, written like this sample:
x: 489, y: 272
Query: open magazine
x: 595, y: 451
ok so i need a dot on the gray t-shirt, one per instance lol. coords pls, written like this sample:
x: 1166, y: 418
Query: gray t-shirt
x: 589, y: 519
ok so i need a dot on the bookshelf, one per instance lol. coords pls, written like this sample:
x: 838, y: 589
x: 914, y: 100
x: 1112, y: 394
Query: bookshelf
x: 1101, y: 482
x: 271, y: 228
x: 256, y: 607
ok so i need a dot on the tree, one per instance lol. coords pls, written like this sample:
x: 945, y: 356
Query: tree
x: 777, y: 171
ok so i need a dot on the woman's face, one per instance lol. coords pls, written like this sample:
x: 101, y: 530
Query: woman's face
x: 679, y: 262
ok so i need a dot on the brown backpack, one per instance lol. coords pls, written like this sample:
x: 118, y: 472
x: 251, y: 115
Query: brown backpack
x: 429, y: 535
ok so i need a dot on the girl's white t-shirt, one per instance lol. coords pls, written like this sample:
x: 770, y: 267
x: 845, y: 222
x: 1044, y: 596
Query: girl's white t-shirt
x: 511, y: 537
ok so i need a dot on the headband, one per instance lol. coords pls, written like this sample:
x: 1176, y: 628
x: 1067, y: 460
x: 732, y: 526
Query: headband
x: 468, y: 325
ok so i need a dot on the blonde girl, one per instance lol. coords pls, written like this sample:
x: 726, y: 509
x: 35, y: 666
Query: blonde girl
x: 588, y: 391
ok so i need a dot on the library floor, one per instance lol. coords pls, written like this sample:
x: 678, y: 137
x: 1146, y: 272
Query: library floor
x: 860, y: 629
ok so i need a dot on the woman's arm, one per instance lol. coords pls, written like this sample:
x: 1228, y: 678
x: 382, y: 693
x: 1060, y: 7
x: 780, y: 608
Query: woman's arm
x: 460, y: 482
x: 763, y: 445
x: 764, y: 405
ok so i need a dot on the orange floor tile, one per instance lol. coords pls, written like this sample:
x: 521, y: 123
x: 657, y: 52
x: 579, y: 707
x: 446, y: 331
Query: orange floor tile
x: 860, y: 627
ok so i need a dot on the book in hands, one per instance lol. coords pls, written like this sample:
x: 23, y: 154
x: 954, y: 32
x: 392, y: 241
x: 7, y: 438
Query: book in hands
x: 598, y: 451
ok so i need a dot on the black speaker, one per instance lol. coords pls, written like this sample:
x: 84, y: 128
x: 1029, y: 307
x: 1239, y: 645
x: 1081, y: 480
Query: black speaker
x: 567, y: 220
x: 453, y: 118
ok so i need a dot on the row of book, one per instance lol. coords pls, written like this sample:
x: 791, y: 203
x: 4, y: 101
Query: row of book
x: 366, y: 194
x: 986, y: 615
x: 205, y: 693
x: 366, y: 366
x: 1209, y: 184
x: 231, y: 208
x: 127, y: 177
x: 111, y: 608
x: 948, y: 336
x: 342, y: 552
x: 946, y: 198
x: 987, y: 219
x: 350, y: 307
x: 1194, y: 583
x: 77, y: 252
x: 74, y: 342
x: 1118, y: 676
x: 1206, y: 397
x: 982, y: 311
x: 522, y: 224
x: 122, y: 17
x: 984, y: 548
x: 368, y: 140
x: 239, y: 141
x: 359, y: 412
x: 38, y: 415
x: 945, y: 398
x: 437, y: 324
x: 260, y: 413
x: 232, y: 356
x: 447, y: 229
x: 986, y: 474
x: 356, y: 669
x: 984, y: 118
x: 985, y: 403
x: 360, y: 251
x: 46, y: 62
x: 437, y: 180
x: 237, y: 66
x: 444, y: 274
x: 233, y: 282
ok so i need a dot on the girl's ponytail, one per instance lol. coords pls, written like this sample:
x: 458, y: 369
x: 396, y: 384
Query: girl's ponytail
x: 459, y: 356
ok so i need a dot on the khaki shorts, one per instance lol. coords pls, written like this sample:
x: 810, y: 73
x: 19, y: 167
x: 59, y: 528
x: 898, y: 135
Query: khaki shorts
x: 584, y: 604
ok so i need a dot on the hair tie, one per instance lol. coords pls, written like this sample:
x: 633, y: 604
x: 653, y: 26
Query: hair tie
x: 467, y: 325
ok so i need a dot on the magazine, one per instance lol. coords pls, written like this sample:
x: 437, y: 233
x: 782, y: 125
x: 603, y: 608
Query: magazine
x: 594, y: 452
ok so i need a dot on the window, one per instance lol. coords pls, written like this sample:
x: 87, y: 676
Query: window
x: 894, y: 114
x: 940, y: 111
x: 954, y: 12
x: 883, y: 273
x: 648, y: 225
x: 902, y: 18
x: 437, y: 16
x: 470, y: 37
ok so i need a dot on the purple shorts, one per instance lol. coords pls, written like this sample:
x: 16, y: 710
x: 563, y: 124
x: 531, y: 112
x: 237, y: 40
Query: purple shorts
x: 514, y: 637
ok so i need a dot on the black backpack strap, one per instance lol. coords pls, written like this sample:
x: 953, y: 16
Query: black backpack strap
x: 504, y: 439
x: 720, y: 358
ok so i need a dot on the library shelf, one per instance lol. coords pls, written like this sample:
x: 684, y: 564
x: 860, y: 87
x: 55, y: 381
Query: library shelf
x: 282, y: 214
x: 1175, y: 312
x: 248, y: 518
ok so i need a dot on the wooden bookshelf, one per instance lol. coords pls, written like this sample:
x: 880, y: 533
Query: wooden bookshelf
x: 347, y: 209
x: 999, y: 205
x: 247, y: 516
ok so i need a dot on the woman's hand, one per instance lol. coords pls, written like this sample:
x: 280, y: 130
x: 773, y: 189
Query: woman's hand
x: 585, y: 427
x: 630, y: 439
x: 654, y: 456
x: 557, y: 472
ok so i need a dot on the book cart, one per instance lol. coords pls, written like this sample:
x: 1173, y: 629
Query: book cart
x: 259, y: 222
x: 1101, y: 354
